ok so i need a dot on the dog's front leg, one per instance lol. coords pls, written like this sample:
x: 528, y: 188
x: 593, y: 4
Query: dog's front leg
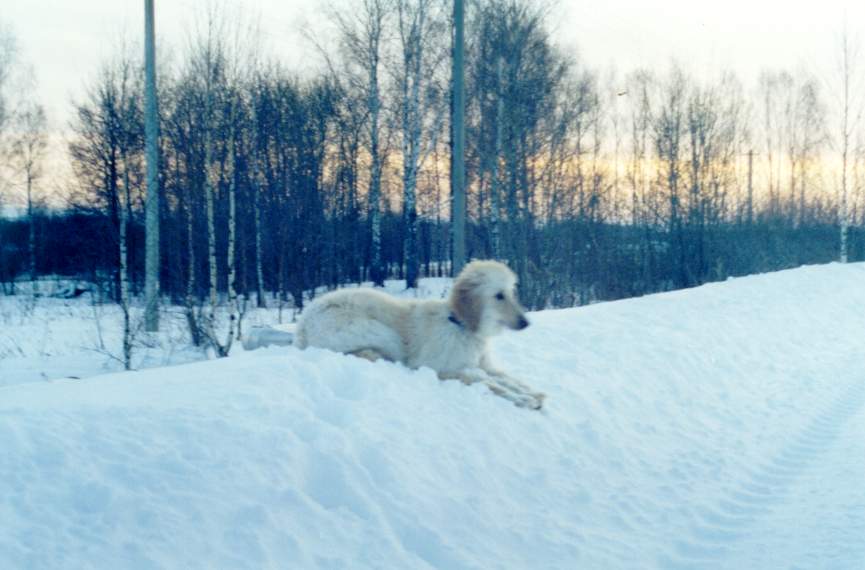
x: 517, y: 386
x: 523, y: 395
x: 498, y: 385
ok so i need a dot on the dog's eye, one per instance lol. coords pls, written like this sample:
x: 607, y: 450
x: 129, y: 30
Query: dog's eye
x: 500, y: 296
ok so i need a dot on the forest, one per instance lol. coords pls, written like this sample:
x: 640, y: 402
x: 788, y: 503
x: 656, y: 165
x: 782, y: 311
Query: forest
x: 592, y: 184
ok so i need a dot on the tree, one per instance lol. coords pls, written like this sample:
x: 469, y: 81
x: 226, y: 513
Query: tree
x: 8, y: 64
x: 8, y: 61
x: 850, y: 112
x: 421, y: 114
x: 668, y: 133
x: 28, y: 151
x: 519, y: 116
x: 589, y: 186
x: 362, y: 41
x: 108, y: 142
x: 210, y: 65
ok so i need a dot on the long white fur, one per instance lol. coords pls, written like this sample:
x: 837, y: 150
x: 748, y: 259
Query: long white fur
x: 372, y: 324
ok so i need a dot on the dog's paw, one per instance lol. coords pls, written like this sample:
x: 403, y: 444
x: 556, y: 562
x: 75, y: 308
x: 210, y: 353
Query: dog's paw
x: 538, y: 399
x: 531, y: 401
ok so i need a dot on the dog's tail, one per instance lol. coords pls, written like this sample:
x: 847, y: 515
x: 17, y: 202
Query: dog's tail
x: 258, y: 337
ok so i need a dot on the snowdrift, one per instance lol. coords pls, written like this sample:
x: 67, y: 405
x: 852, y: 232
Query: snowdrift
x: 715, y: 427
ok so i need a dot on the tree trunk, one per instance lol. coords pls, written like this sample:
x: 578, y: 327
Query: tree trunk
x: 31, y: 240
x: 191, y: 317
x: 494, y: 175
x: 234, y: 317
x: 259, y: 267
x: 124, y: 276
x: 377, y: 273
x: 211, y: 237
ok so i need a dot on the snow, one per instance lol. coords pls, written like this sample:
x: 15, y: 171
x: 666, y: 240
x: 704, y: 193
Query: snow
x: 10, y: 212
x: 51, y: 338
x: 717, y: 427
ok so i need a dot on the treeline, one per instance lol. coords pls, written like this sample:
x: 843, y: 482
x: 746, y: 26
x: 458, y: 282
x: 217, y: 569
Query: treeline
x: 590, y: 184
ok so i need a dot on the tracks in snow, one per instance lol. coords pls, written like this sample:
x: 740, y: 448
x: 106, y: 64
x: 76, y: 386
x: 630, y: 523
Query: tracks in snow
x: 720, y: 527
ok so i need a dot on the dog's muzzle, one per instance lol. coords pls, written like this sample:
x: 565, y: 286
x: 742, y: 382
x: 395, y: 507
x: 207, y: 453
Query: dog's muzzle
x: 522, y: 323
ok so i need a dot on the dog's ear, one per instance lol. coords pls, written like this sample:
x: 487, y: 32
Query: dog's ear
x: 466, y: 304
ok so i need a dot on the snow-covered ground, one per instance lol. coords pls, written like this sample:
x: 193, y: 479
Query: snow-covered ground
x: 718, y: 427
x: 51, y: 338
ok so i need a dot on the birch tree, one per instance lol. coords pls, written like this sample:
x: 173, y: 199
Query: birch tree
x: 849, y: 115
x: 208, y: 68
x: 420, y: 26
x: 363, y: 41
x: 259, y: 158
x: 123, y: 251
x: 230, y: 170
x: 212, y: 62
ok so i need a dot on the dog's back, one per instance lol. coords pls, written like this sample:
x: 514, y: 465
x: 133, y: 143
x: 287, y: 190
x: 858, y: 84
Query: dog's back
x: 355, y: 320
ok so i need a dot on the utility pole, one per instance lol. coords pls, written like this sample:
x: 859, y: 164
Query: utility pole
x: 151, y: 135
x: 458, y: 169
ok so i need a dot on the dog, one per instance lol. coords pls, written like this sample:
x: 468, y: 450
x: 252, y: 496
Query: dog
x: 450, y: 336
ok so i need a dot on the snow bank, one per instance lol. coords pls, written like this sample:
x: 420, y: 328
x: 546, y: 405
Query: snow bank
x: 684, y: 430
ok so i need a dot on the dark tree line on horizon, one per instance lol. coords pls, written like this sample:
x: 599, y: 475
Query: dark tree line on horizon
x: 592, y: 185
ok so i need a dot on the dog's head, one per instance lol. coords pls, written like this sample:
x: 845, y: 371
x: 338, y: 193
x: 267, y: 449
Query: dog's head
x: 484, y: 298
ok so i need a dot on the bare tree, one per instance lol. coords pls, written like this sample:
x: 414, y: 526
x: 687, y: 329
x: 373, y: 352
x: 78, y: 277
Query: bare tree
x: 230, y: 172
x: 107, y: 142
x: 668, y: 138
x: 362, y: 40
x: 8, y: 63
x: 809, y: 136
x: 420, y: 27
x: 28, y: 150
x: 258, y: 160
x: 849, y: 116
x: 125, y: 301
x: 209, y: 65
x: 771, y: 86
x: 8, y: 60
x: 590, y: 189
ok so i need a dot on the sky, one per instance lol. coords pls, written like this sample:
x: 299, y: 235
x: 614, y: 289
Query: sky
x: 65, y: 42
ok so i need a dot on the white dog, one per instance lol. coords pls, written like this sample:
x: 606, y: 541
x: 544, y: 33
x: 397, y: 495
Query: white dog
x: 448, y: 336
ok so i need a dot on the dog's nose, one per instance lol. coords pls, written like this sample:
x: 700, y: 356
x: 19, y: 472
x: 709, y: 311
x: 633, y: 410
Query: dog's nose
x: 522, y: 323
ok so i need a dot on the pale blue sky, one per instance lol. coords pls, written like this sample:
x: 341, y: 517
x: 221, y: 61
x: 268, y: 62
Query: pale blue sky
x: 66, y: 41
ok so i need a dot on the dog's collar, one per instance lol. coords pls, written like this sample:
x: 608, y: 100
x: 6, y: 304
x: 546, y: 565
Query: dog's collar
x: 453, y: 318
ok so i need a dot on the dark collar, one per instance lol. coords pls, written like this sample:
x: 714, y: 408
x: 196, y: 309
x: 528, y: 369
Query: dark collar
x: 453, y: 318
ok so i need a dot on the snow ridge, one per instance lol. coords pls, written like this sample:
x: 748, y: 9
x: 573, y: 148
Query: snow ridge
x: 705, y: 428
